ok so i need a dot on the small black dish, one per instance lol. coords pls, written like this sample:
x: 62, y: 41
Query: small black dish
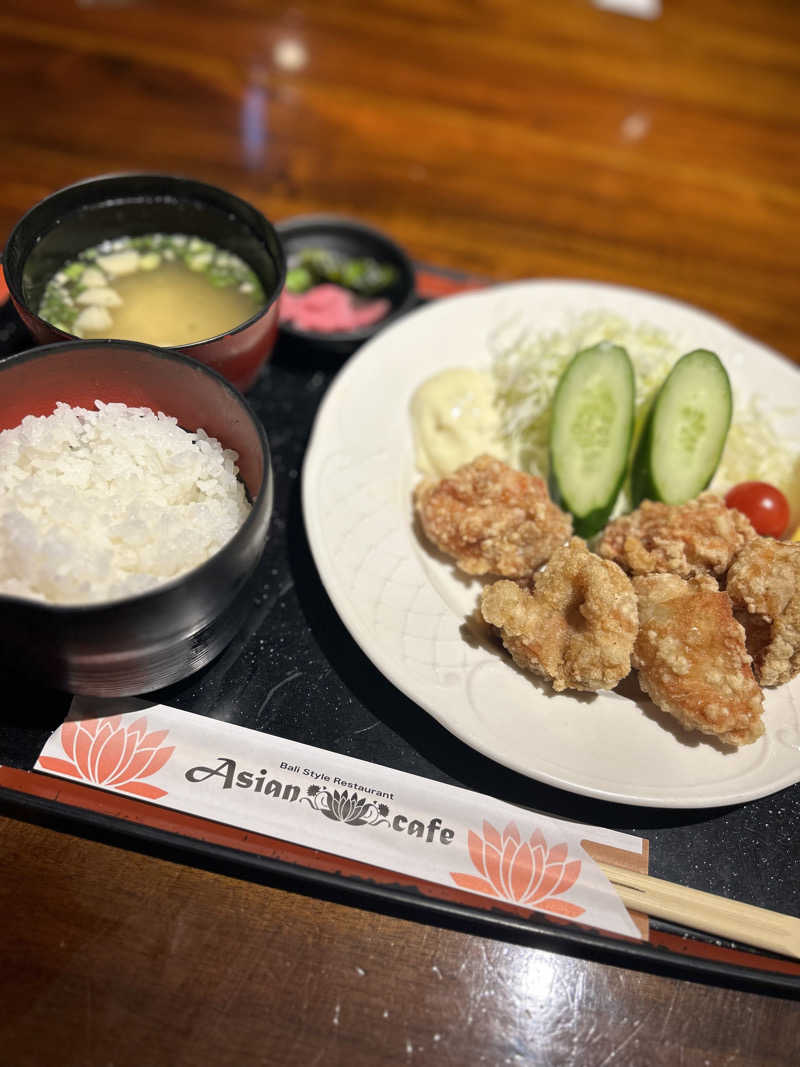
x: 354, y: 240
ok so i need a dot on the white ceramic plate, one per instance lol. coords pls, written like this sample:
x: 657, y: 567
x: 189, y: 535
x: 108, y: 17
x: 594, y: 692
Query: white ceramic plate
x: 406, y: 607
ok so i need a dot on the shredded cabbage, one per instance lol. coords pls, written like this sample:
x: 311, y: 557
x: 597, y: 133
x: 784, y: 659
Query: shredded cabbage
x: 757, y: 451
x: 526, y: 368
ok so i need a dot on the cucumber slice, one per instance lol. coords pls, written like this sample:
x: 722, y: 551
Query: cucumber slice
x: 591, y: 426
x: 685, y: 431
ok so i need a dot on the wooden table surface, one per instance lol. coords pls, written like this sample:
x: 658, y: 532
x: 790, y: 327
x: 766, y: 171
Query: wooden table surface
x: 513, y: 138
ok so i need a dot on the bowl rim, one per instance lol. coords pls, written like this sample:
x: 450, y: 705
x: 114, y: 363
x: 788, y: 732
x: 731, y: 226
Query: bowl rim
x: 286, y: 227
x: 263, y: 501
x: 16, y: 290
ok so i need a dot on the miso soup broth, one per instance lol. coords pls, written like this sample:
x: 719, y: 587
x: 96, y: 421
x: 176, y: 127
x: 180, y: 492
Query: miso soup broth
x: 166, y: 290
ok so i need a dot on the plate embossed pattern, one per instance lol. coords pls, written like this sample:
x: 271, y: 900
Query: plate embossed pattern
x: 387, y: 587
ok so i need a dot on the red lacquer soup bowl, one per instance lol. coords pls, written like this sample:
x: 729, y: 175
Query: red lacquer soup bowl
x: 81, y: 216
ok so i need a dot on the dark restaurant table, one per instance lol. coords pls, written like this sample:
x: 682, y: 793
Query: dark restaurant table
x: 511, y: 139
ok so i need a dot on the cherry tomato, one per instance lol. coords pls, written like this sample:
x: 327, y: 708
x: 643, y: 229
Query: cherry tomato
x: 765, y: 506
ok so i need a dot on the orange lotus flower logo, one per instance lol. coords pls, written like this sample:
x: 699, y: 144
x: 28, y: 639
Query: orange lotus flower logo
x: 524, y: 872
x: 112, y: 754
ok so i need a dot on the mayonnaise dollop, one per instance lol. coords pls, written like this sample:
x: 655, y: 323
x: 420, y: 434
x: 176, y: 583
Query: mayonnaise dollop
x: 454, y: 419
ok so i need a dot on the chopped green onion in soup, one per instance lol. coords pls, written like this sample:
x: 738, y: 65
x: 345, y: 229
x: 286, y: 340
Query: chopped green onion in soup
x: 163, y: 289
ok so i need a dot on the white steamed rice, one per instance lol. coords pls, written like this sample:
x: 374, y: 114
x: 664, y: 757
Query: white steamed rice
x: 97, y: 505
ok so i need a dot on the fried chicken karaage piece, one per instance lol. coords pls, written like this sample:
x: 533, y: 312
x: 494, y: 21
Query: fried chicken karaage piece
x: 699, y: 537
x: 492, y: 519
x: 764, y: 585
x: 691, y: 656
x: 575, y: 626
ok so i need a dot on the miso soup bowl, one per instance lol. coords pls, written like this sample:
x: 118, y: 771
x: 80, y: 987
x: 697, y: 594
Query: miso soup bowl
x: 143, y: 642
x: 80, y: 216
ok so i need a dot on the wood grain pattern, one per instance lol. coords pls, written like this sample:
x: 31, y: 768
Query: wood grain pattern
x: 114, y: 957
x: 510, y: 139
x: 517, y: 138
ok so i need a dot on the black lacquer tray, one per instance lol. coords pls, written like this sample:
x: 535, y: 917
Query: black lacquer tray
x: 295, y: 671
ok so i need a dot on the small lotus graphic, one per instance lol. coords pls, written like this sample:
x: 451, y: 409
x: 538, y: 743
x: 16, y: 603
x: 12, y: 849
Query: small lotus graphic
x: 525, y: 872
x: 347, y: 809
x: 342, y: 806
x: 112, y: 754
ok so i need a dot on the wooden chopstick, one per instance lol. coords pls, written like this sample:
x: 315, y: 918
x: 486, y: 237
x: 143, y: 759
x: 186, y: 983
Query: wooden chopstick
x: 704, y: 911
